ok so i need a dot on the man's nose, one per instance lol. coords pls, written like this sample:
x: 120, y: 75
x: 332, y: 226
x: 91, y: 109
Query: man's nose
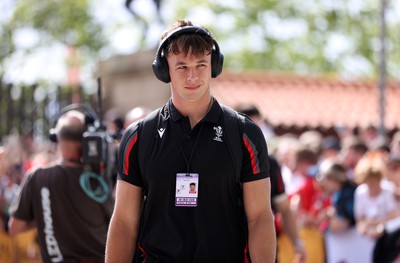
x: 192, y: 74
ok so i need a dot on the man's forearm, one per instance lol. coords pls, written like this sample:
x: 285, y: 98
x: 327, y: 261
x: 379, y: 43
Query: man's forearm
x: 262, y: 239
x: 121, y: 243
x: 289, y: 226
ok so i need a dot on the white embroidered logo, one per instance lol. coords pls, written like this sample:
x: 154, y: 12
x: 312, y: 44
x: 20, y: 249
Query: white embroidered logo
x: 218, y: 134
x: 161, y: 132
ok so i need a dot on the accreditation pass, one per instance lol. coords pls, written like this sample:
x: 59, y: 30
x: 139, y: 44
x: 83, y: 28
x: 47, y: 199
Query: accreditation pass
x: 187, y: 185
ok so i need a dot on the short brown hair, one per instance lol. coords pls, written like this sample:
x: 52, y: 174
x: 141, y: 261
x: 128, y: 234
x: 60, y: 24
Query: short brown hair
x: 304, y: 154
x: 333, y: 170
x: 198, y: 44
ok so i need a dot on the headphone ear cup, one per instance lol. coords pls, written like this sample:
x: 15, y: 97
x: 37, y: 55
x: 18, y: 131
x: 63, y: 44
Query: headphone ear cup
x: 89, y: 119
x: 160, y: 69
x: 217, y: 61
x: 53, y: 135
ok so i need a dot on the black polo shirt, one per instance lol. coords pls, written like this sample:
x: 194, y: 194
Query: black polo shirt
x: 213, y: 231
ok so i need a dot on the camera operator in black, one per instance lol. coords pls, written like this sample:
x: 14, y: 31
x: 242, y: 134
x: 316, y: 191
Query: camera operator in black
x: 227, y: 220
x: 71, y: 226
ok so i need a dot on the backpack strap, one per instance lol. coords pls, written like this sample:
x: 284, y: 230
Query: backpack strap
x: 234, y: 127
x: 147, y: 131
x: 148, y: 127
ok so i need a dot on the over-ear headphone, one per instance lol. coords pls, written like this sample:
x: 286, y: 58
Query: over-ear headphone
x: 160, y: 64
x: 90, y: 117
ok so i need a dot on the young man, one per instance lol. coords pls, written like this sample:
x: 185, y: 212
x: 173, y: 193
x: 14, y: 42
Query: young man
x: 71, y: 226
x: 227, y: 220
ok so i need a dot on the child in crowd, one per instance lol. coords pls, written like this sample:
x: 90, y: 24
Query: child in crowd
x: 373, y: 203
x: 341, y: 238
x: 333, y: 180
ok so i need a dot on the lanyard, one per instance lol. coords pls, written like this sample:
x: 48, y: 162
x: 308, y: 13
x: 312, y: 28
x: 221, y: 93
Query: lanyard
x: 188, y: 161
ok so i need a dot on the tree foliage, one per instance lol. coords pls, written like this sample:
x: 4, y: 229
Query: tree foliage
x: 65, y: 21
x: 301, y: 36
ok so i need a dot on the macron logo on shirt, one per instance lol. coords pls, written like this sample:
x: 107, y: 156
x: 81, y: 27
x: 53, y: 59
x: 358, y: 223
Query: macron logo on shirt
x: 161, y: 132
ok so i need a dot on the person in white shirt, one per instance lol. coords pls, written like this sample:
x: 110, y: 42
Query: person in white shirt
x: 373, y: 204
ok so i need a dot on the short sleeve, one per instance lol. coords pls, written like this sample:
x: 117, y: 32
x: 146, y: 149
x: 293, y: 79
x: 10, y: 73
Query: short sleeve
x: 255, y: 154
x: 22, y: 206
x: 277, y: 184
x: 128, y: 162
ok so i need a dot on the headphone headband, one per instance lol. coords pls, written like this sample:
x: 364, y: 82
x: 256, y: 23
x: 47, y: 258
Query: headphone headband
x: 90, y: 117
x: 85, y: 109
x: 160, y: 64
x: 182, y: 31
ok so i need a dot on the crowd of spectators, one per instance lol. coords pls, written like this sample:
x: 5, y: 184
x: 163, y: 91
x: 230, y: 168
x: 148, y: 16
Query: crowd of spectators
x: 346, y: 189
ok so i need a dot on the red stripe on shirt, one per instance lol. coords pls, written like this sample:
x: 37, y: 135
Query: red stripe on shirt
x: 144, y: 252
x: 127, y: 154
x: 246, y: 260
x: 252, y: 155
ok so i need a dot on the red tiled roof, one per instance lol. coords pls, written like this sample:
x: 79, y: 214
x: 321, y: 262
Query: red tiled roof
x: 308, y: 101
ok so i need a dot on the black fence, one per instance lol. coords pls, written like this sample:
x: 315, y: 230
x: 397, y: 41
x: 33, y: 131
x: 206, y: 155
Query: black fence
x: 34, y: 109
